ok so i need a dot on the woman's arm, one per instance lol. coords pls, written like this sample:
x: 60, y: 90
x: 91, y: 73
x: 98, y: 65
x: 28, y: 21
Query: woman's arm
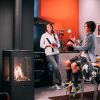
x: 42, y: 42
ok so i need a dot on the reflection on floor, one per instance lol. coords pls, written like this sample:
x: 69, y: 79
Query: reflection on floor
x: 49, y: 93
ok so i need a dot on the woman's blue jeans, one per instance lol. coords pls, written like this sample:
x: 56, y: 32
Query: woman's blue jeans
x: 54, y: 60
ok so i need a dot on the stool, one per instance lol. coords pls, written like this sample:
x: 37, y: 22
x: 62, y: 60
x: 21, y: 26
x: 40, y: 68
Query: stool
x: 95, y: 84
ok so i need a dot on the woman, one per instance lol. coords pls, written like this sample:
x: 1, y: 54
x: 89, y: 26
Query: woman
x: 50, y: 43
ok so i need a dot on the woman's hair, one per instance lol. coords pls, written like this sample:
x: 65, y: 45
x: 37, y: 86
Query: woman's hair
x: 91, y: 25
x: 52, y: 29
x: 50, y: 25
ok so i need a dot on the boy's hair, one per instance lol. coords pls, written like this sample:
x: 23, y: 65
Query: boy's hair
x: 91, y: 25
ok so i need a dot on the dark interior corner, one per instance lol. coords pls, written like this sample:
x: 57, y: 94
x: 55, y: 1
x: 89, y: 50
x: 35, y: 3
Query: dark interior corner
x: 8, y: 37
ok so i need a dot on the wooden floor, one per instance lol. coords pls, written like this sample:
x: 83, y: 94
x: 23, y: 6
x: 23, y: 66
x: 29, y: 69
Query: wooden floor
x: 86, y: 96
x: 49, y: 93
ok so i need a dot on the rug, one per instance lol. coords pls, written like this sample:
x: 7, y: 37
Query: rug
x: 86, y: 96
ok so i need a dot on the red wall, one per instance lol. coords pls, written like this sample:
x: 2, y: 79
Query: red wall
x: 64, y: 13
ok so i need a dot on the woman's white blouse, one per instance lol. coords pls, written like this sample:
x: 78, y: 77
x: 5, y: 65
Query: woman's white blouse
x: 44, y: 43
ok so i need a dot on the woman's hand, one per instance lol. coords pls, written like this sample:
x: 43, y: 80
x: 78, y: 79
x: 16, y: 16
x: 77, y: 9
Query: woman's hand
x: 47, y: 46
x: 53, y: 45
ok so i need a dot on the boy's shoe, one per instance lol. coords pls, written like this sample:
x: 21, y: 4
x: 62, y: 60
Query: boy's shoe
x: 67, y: 84
x: 74, y: 91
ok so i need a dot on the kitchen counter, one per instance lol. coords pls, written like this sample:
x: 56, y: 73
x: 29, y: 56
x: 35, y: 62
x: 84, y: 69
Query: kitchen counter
x: 75, y: 51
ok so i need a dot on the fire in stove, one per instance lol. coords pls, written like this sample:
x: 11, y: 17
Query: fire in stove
x: 18, y: 73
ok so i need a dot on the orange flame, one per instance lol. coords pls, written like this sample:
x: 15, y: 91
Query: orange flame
x: 18, y: 73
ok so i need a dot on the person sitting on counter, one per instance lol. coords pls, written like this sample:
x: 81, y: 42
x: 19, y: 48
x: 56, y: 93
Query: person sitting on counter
x: 87, y: 54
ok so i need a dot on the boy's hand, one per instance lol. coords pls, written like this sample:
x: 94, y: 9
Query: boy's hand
x: 70, y: 44
x: 64, y: 62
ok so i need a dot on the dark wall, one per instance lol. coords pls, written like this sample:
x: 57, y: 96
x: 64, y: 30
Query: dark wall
x: 7, y: 26
x: 27, y: 24
x: 39, y: 29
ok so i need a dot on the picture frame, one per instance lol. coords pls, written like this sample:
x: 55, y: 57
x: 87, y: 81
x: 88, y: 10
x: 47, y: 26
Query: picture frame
x: 98, y: 30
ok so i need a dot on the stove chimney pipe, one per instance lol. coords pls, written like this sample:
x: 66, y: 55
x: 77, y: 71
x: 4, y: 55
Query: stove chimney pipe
x: 17, y: 24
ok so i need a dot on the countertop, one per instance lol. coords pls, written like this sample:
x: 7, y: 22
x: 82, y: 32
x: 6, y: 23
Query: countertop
x: 75, y: 51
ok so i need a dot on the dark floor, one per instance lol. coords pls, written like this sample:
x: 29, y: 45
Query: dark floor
x: 49, y: 93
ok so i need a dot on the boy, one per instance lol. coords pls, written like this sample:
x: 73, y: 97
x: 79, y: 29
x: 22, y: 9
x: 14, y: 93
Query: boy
x: 87, y: 49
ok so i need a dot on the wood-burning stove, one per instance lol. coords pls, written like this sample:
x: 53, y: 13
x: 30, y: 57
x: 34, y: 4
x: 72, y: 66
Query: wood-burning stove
x: 18, y: 74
